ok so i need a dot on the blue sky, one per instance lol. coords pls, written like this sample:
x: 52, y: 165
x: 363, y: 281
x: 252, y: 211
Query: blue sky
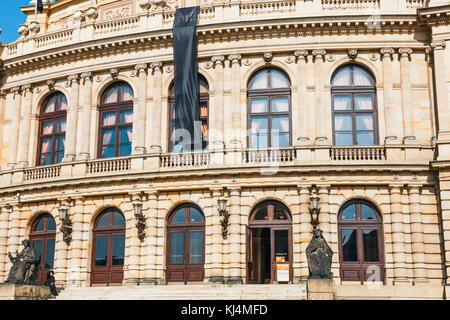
x: 10, y: 19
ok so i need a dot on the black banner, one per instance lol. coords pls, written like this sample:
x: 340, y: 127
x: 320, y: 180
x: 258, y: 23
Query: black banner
x: 187, y: 127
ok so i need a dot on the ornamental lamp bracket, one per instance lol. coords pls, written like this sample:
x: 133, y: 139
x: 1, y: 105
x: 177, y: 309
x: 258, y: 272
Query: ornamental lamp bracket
x: 314, y: 209
x: 140, y: 220
x: 66, y: 224
x: 223, y: 212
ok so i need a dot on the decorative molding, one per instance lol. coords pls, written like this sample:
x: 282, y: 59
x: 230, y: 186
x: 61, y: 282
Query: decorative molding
x: 405, y: 52
x: 169, y: 69
x: 247, y: 62
x: 86, y: 76
x: 387, y: 52
x: 218, y: 60
x: 267, y: 56
x: 301, y: 54
x: 51, y: 85
x: 114, y: 72
x: 145, y: 4
x: 91, y: 14
x: 208, y: 64
x: 235, y: 58
x: 438, y: 45
x: 330, y: 57
x: 352, y: 53
x: 319, y: 54
x: 34, y: 28
x: 374, y: 56
x: 71, y: 79
x: 289, y: 59
x: 23, y: 30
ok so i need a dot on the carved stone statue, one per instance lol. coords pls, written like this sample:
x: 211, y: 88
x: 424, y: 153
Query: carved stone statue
x: 319, y: 256
x: 24, y: 263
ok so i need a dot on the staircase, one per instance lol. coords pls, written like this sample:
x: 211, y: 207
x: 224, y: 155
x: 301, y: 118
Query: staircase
x: 187, y: 292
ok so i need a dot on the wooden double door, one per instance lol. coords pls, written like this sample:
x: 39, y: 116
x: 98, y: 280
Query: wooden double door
x: 269, y: 244
x: 42, y: 238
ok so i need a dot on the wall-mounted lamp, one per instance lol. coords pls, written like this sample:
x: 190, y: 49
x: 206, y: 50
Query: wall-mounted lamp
x: 314, y: 210
x: 66, y: 224
x: 140, y: 220
x: 223, y: 212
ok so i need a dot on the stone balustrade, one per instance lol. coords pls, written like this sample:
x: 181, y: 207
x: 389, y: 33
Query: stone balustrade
x: 181, y: 160
x: 283, y: 155
x: 357, y: 153
x: 39, y: 173
x: 37, y: 39
x: 108, y: 165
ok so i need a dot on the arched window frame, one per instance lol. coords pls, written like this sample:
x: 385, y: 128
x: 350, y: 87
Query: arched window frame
x: 354, y: 91
x: 57, y: 119
x: 203, y: 111
x: 118, y: 108
x: 45, y: 236
x: 269, y: 93
x: 358, y: 270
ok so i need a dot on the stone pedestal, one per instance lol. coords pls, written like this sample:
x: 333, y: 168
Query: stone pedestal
x: 320, y: 289
x: 10, y: 291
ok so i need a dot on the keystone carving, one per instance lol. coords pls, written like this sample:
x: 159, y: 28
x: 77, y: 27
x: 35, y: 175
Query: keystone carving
x: 268, y: 56
x: 352, y: 53
x: 51, y: 84
x: 114, y: 72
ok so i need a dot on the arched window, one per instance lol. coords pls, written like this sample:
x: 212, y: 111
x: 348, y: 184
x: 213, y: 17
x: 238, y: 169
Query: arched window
x: 42, y: 238
x: 269, y: 109
x: 185, y: 244
x: 116, y: 121
x: 354, y: 106
x: 203, y: 112
x: 360, y: 242
x: 52, y: 129
x: 269, y: 244
x: 108, y: 247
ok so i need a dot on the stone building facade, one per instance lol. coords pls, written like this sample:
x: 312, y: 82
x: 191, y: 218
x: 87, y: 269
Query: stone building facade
x: 365, y: 121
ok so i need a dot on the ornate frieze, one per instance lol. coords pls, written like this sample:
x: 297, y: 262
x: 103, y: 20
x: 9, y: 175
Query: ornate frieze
x: 117, y: 11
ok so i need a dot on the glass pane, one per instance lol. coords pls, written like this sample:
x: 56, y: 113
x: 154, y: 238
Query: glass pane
x: 62, y: 102
x: 343, y: 122
x: 260, y: 80
x: 178, y: 217
x: 203, y: 85
x: 40, y: 225
x: 50, y: 105
x: 196, y: 247
x: 108, y: 152
x: 370, y: 238
x: 195, y: 215
x: 280, y: 104
x: 349, y: 249
x: 259, y: 105
x: 344, y: 139
x: 104, y: 220
x: 101, y: 250
x: 124, y: 150
x: 126, y: 92
x: 365, y: 138
x: 176, y: 247
x: 37, y: 246
x: 49, y: 253
x: 61, y: 125
x: 258, y: 125
x: 119, y: 220
x: 58, y: 157
x: 342, y: 102
x: 108, y: 136
x: 112, y: 94
x: 349, y: 213
x: 203, y: 109
x: 361, y: 77
x: 278, y: 79
x: 367, y: 212
x: 47, y: 127
x: 51, y: 225
x: 125, y: 134
x: 118, y: 249
x: 126, y: 116
x: 364, y: 102
x: 280, y: 214
x: 281, y: 245
x: 342, y: 77
x: 364, y: 122
x: 280, y: 123
x: 46, y: 159
x: 261, y: 214
x: 258, y: 141
x: 109, y: 118
x: 60, y: 142
x: 280, y: 140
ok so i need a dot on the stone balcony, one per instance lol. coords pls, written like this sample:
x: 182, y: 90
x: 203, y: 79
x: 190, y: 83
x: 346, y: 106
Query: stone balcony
x: 267, y: 161
x: 232, y: 15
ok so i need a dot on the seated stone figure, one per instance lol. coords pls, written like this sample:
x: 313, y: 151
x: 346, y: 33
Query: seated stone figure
x: 319, y: 256
x: 22, y: 270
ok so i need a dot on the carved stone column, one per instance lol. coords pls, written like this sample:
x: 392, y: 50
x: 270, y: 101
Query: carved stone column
x: 417, y: 238
x: 217, y: 113
x: 24, y: 131
x: 150, y: 260
x: 216, y: 256
x: 13, y: 242
x: 72, y: 117
x: 14, y: 101
x: 398, y: 236
x: 389, y: 106
x: 236, y: 260
x: 86, y: 103
x: 233, y: 120
x: 305, y: 233
x: 321, y: 112
x: 405, y: 56
x: 4, y: 226
x: 157, y: 105
x: 139, y: 111
x: 301, y: 113
x: 75, y: 253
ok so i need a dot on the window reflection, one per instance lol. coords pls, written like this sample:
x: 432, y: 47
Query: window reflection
x: 176, y: 247
x: 101, y: 250
x: 349, y: 248
x: 196, y: 247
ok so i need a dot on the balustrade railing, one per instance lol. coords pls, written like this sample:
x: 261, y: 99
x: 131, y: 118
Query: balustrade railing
x: 59, y: 37
x: 108, y: 165
x: 255, y: 8
x: 111, y: 27
x: 185, y: 159
x: 350, y: 4
x: 363, y: 153
x: 42, y: 173
x: 268, y: 155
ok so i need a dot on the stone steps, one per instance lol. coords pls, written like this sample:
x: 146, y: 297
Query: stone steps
x: 187, y: 292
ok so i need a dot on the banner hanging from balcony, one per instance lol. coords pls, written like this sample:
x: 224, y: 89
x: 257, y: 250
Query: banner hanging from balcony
x: 187, y: 135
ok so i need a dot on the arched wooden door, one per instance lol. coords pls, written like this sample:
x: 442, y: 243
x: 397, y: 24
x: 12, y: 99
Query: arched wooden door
x: 269, y: 244
x: 185, y: 244
x: 42, y: 238
x: 108, y: 248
